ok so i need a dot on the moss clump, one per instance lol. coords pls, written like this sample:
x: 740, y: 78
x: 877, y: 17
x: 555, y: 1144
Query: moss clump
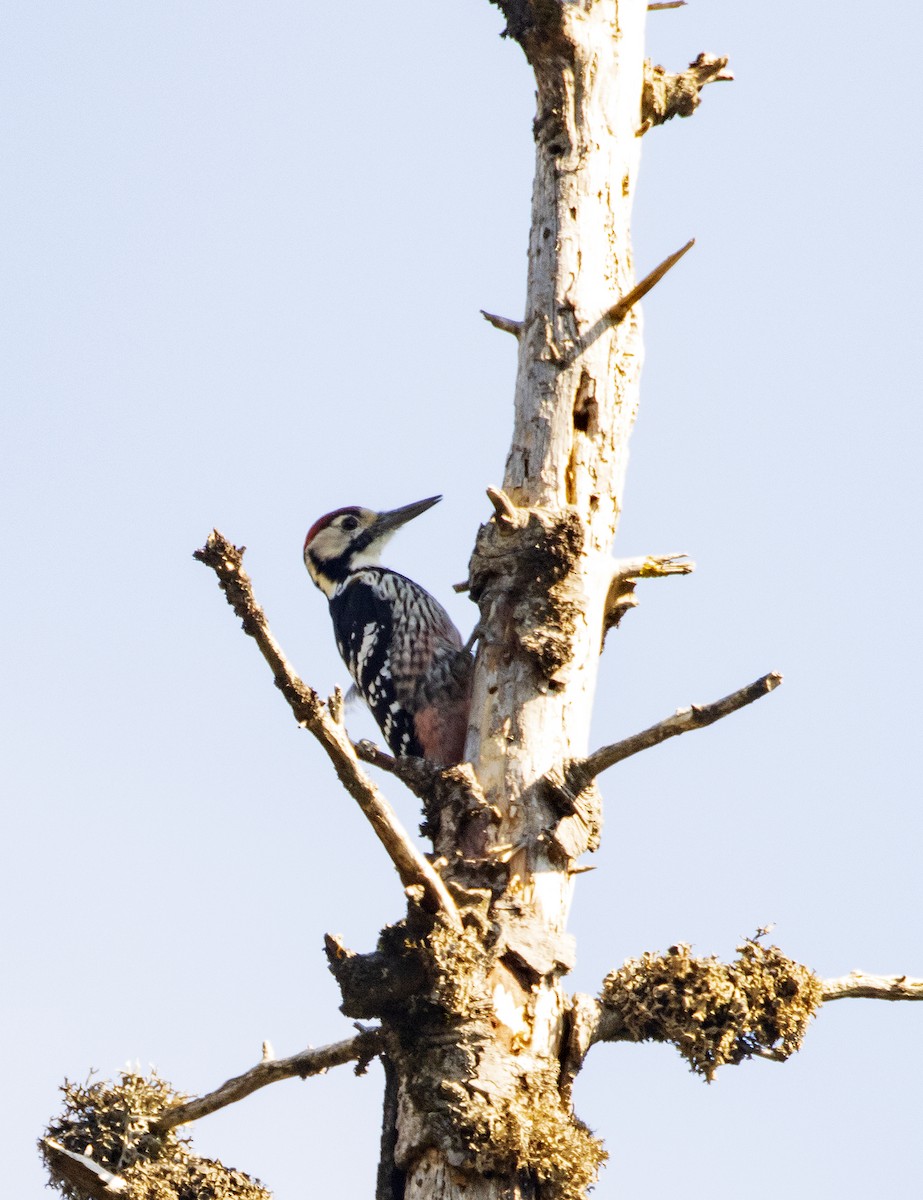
x: 491, y: 1112
x: 458, y: 965
x: 535, y: 1133
x: 112, y: 1123
x: 713, y: 1012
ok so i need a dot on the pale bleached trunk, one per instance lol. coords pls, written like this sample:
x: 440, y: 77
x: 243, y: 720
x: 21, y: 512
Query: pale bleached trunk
x: 576, y: 390
x: 540, y: 574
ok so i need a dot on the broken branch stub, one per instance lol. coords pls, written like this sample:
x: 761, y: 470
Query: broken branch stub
x: 620, y: 596
x: 504, y: 324
x: 667, y: 95
x: 620, y: 310
x: 858, y: 985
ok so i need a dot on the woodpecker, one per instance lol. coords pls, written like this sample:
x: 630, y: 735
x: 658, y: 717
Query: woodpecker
x: 398, y: 642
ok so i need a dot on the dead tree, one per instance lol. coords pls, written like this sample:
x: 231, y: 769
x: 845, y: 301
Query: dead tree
x: 467, y: 996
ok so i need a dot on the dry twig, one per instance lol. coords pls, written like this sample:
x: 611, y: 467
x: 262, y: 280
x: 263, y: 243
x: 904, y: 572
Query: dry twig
x: 362, y: 1048
x: 579, y: 773
x: 310, y: 711
x: 860, y: 986
x: 504, y: 324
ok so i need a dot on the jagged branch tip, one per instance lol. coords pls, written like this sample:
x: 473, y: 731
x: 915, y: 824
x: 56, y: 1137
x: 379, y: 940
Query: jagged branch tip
x: 504, y: 324
x: 416, y: 874
x: 360, y: 1049
x: 578, y: 774
x: 621, y: 309
x: 666, y: 95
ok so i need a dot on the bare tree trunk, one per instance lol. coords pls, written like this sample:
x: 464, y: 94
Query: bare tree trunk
x: 540, y: 574
x: 576, y: 399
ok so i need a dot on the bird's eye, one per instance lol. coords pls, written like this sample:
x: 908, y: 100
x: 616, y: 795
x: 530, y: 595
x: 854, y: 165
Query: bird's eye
x: 350, y: 523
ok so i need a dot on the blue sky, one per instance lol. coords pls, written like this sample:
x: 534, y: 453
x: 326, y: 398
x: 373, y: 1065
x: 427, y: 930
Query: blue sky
x: 244, y: 248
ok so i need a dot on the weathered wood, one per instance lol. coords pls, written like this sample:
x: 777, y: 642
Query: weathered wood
x: 859, y: 986
x: 669, y: 95
x: 226, y: 560
x: 574, y: 409
x: 540, y: 574
x: 579, y: 773
x: 308, y: 1062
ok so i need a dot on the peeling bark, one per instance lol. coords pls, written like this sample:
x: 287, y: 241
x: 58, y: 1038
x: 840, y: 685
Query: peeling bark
x: 666, y: 95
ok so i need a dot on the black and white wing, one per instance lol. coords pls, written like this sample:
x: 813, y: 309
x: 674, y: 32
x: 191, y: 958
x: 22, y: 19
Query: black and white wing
x: 363, y: 625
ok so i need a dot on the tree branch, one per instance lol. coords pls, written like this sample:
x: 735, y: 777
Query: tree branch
x: 311, y: 713
x: 619, y: 311
x: 81, y: 1171
x: 504, y: 324
x: 600, y: 1021
x: 580, y: 772
x: 417, y: 774
x: 362, y: 1048
x: 857, y: 985
x: 626, y: 572
x: 665, y: 96
x: 652, y: 566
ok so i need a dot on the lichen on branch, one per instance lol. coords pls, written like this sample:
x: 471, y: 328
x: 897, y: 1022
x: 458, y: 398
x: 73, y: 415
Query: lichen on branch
x: 112, y: 1124
x: 715, y: 1013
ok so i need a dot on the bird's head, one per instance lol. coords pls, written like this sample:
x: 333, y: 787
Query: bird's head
x: 348, y: 538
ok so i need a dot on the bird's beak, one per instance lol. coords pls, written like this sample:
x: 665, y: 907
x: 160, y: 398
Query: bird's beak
x: 388, y: 522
